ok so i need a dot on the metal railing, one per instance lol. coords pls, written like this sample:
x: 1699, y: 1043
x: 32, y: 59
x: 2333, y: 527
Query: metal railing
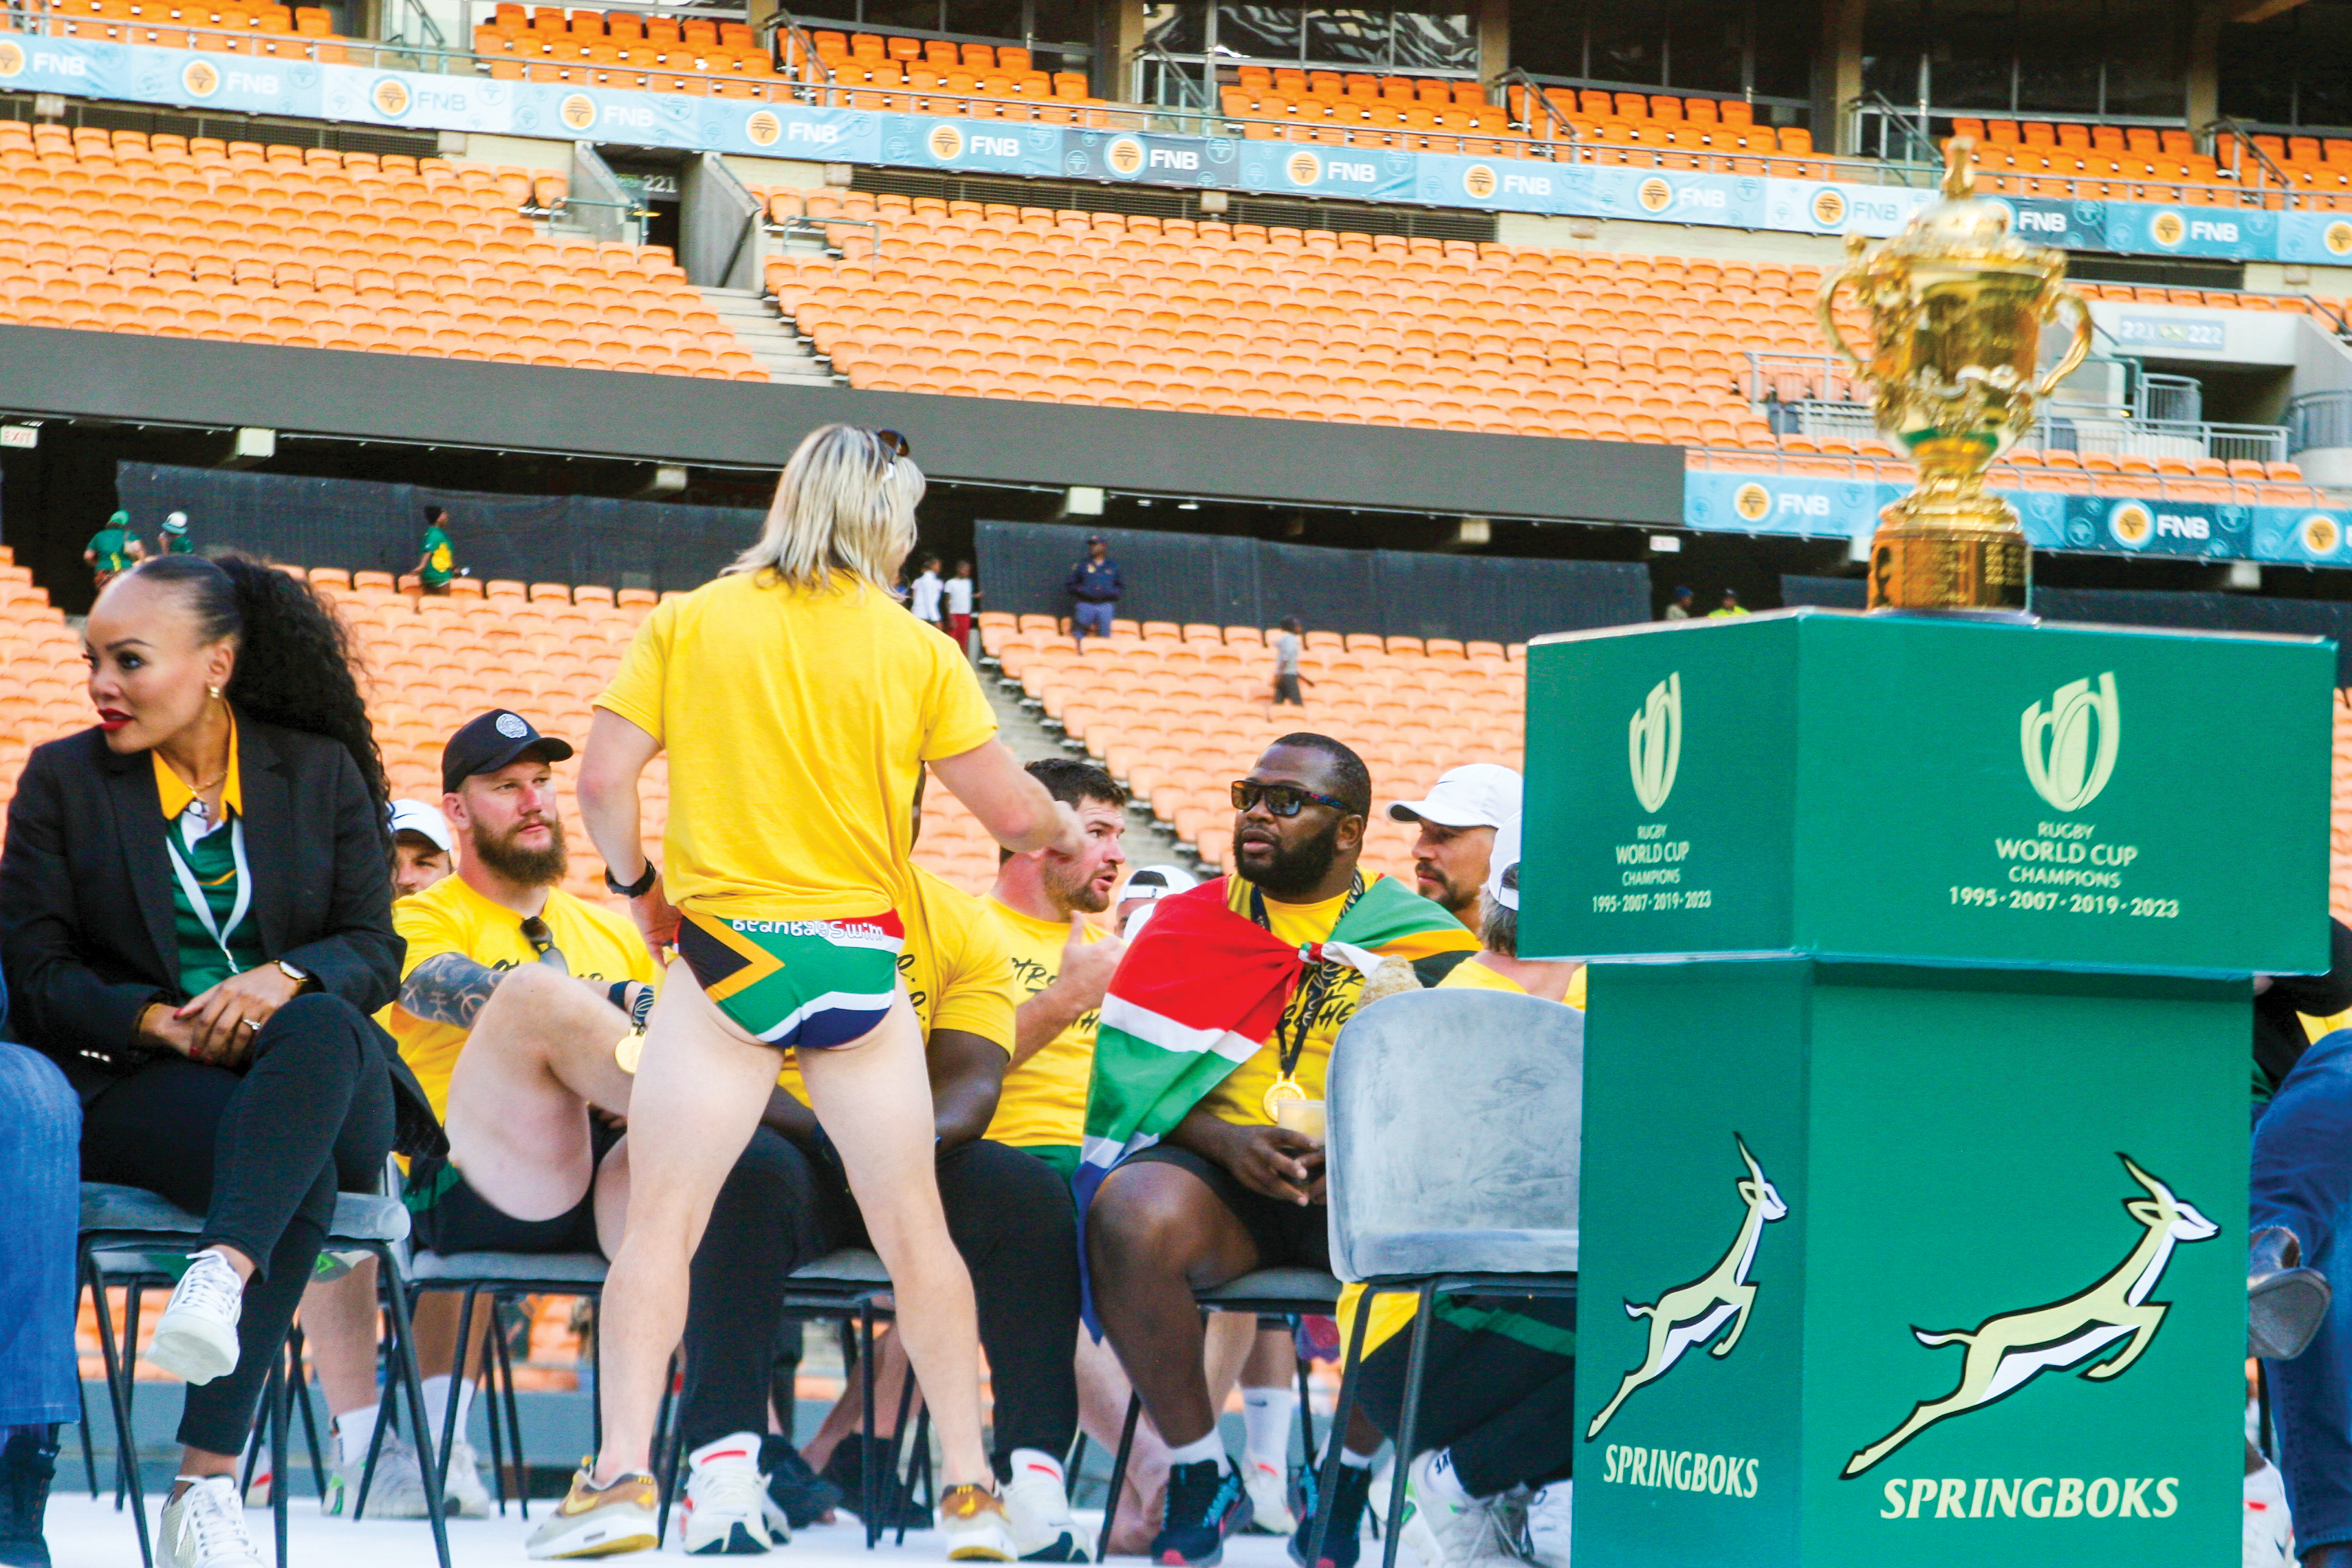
x: 2319, y: 419
x: 1873, y: 116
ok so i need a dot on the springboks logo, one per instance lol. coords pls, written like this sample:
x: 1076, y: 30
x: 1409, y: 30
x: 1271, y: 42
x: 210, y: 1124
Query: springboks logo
x: 2007, y: 1352
x: 2060, y: 761
x: 1654, y: 743
x: 1691, y: 1314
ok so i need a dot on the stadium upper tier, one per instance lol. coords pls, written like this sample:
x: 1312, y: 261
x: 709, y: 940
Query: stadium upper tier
x: 198, y: 238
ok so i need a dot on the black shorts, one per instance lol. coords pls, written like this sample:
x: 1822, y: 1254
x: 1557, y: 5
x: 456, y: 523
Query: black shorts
x: 459, y: 1219
x: 1285, y: 690
x: 1287, y: 1235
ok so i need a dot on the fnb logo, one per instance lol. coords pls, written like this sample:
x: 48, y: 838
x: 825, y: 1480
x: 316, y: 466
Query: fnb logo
x: 1174, y: 158
x: 620, y: 113
x: 803, y: 130
x: 2041, y: 221
x: 1803, y: 505
x: 46, y: 64
x: 1527, y: 185
x: 2182, y: 527
x: 240, y: 81
x: 1354, y: 174
x: 996, y: 146
x: 1870, y: 211
x: 447, y: 102
x: 2207, y: 228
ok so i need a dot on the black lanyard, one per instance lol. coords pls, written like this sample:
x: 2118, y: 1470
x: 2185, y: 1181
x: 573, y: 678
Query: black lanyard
x: 1290, y: 1043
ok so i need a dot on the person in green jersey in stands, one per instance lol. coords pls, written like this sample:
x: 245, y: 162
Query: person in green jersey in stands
x: 174, y: 539
x: 438, y: 561
x: 114, y: 550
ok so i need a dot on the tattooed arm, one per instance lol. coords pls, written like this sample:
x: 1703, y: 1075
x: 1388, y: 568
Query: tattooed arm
x: 448, y: 988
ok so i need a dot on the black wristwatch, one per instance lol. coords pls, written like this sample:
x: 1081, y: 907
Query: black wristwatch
x: 635, y: 890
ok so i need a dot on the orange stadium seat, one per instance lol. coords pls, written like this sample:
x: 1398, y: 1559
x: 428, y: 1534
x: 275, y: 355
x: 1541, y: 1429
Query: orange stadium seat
x: 316, y: 249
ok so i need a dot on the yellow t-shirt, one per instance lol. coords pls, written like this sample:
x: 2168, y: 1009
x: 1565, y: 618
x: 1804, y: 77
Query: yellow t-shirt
x: 451, y: 917
x: 1473, y: 975
x: 1240, y: 1098
x: 955, y: 966
x: 1044, y: 1099
x: 1393, y: 1312
x: 796, y: 725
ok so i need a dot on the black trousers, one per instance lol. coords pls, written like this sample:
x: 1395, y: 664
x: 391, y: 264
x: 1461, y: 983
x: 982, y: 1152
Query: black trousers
x: 260, y: 1152
x: 1499, y: 1388
x: 782, y: 1207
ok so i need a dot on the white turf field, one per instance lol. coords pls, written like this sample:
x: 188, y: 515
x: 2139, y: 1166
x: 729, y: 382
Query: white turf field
x: 86, y: 1534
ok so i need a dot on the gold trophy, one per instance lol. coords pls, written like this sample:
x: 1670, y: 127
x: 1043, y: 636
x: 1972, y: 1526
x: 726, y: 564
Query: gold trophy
x: 1956, y: 306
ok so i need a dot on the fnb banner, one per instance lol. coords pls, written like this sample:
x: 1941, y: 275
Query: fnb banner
x: 1828, y: 508
x: 303, y: 89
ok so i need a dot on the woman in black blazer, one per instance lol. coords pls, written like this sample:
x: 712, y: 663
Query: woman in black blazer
x: 195, y: 922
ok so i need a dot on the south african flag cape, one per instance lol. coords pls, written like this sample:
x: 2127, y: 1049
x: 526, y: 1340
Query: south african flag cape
x: 1199, y: 993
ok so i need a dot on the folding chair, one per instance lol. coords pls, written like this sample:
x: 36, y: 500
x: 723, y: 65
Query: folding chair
x: 1455, y: 1121
x: 1291, y: 1293
x: 130, y: 1220
x: 501, y: 1276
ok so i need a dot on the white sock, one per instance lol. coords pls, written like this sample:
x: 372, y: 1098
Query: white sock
x: 1267, y: 1415
x: 353, y: 1428
x: 1443, y: 1484
x: 1354, y: 1460
x: 1033, y: 1461
x: 437, y: 1403
x: 1212, y: 1446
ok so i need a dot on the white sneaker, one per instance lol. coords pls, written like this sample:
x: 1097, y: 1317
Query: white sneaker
x: 1547, y: 1516
x: 466, y: 1493
x: 205, y: 1528
x: 728, y: 1511
x: 2270, y: 1533
x: 196, y: 1340
x: 1269, y: 1494
x: 395, y: 1491
x: 1037, y: 1505
x: 1448, y: 1528
x: 257, y: 1490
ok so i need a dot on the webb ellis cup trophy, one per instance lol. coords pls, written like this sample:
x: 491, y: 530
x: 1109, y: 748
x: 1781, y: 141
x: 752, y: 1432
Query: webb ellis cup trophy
x: 1957, y: 305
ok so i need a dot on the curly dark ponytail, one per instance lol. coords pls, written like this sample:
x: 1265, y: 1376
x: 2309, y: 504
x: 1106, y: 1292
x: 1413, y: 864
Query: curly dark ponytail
x: 296, y: 667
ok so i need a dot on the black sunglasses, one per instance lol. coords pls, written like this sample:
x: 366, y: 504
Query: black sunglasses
x: 894, y: 445
x: 1282, y: 799
x: 542, y: 943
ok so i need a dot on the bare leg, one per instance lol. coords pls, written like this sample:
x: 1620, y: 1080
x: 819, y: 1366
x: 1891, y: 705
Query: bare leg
x: 1155, y: 1235
x: 339, y: 1326
x: 435, y: 1315
x: 874, y: 1098
x: 849, y: 1411
x: 539, y: 1055
x: 1103, y: 1393
x: 700, y: 1090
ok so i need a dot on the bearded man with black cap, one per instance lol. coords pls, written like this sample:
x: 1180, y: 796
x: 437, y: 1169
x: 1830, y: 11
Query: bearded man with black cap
x: 514, y: 999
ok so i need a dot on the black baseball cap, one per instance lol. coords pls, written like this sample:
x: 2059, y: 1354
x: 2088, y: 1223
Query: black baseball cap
x: 486, y: 743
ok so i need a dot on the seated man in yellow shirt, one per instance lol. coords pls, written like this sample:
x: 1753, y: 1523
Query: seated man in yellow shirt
x: 513, y: 998
x: 787, y: 1203
x: 1226, y: 1190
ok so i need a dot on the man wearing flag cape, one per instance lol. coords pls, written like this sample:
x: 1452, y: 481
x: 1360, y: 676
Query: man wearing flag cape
x: 1224, y: 1012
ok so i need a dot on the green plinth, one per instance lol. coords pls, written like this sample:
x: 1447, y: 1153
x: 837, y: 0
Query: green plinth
x: 1916, y: 1104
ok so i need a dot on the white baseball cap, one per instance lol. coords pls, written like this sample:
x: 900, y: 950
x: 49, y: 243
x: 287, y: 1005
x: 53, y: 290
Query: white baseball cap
x: 1158, y: 882
x: 1476, y: 794
x: 416, y: 816
x: 1502, y: 864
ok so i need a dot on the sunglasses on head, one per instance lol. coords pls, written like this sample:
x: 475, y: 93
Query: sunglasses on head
x: 894, y: 445
x: 1281, y: 799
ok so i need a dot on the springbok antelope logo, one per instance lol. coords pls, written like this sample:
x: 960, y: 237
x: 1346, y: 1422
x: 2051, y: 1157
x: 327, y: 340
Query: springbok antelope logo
x: 1654, y: 743
x: 2009, y: 1350
x: 1690, y: 1314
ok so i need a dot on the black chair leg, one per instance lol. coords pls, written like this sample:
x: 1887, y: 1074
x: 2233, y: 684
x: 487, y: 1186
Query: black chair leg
x: 88, y: 1458
x: 403, y: 1334
x: 489, y: 1382
x: 1306, y: 1411
x: 275, y: 1397
x: 126, y: 1452
x: 1328, y: 1479
x: 309, y: 1415
x: 668, y: 1462
x: 1415, y: 1363
x: 505, y: 1379
x: 1118, y: 1473
x: 132, y: 1294
x: 387, y: 1412
x: 449, y: 1417
x: 596, y: 1371
x: 868, y: 1482
x: 899, y: 1464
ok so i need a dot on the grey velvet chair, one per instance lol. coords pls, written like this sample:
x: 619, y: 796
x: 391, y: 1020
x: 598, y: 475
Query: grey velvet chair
x: 1455, y: 1122
x: 118, y: 1220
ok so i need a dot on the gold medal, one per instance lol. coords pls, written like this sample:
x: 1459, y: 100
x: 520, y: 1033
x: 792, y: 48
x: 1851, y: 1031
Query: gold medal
x: 627, y: 1049
x: 1280, y: 1090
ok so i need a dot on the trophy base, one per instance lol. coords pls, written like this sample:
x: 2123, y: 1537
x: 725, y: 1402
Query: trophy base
x: 1954, y: 552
